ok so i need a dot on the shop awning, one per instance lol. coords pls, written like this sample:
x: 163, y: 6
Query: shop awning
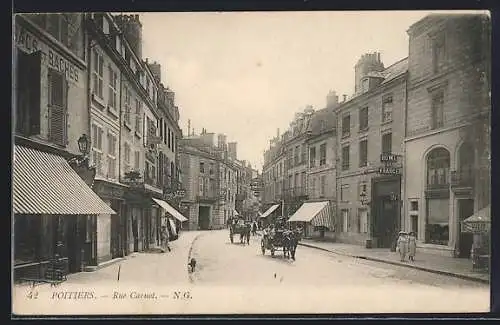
x: 269, y: 211
x: 45, y: 183
x: 167, y: 207
x: 478, y: 222
x: 236, y: 213
x: 317, y: 213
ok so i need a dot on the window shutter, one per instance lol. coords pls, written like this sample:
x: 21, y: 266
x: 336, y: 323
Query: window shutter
x: 35, y: 64
x: 58, y: 89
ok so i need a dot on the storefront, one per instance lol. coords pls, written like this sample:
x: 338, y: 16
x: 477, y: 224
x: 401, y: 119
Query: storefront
x: 315, y: 218
x: 111, y: 229
x: 170, y: 218
x: 52, y: 206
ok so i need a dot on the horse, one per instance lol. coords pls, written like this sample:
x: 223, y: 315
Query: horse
x: 291, y: 240
x: 245, y: 235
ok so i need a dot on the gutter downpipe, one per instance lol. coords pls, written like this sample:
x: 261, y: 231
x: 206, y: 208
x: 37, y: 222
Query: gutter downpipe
x: 403, y: 183
x: 93, y: 246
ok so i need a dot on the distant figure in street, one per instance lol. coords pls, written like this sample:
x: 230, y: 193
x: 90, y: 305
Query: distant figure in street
x: 165, y: 238
x: 254, y: 228
x: 412, y: 246
x: 402, y: 245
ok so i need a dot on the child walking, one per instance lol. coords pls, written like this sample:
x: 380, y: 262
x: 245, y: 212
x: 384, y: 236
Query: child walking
x: 412, y: 246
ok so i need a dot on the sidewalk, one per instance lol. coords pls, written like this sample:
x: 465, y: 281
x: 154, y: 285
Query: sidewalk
x: 456, y: 267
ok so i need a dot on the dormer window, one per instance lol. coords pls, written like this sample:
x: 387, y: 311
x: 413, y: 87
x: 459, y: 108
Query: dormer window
x: 365, y: 83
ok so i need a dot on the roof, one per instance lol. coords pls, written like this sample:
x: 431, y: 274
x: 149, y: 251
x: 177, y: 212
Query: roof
x: 395, y: 70
x: 323, y: 120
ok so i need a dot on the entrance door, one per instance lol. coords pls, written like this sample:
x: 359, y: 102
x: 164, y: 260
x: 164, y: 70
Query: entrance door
x: 115, y: 230
x: 386, y: 221
x: 73, y: 248
x: 204, y: 217
x: 465, y: 210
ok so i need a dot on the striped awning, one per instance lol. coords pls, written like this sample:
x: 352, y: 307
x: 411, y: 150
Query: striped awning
x: 317, y: 213
x: 236, y: 213
x: 269, y: 211
x: 170, y: 209
x: 45, y: 183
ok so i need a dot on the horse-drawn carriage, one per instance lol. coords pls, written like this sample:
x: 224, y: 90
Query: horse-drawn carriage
x: 278, y: 238
x: 239, y: 225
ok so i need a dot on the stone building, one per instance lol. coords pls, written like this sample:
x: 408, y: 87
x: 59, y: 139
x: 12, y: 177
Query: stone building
x: 370, y: 132
x: 209, y: 177
x: 447, y: 138
x: 53, y: 203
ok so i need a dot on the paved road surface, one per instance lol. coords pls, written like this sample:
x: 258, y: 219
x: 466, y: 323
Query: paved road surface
x: 387, y: 287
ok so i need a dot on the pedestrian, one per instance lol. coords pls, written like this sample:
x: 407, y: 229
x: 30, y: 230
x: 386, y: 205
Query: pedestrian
x: 402, y: 245
x: 165, y: 238
x: 412, y: 246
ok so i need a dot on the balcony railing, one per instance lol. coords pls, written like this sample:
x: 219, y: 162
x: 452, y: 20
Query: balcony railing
x: 153, y: 181
x: 462, y: 178
x: 207, y: 196
x: 294, y: 192
x: 438, y: 185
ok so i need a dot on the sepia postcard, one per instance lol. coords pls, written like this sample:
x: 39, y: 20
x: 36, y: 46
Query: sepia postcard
x: 322, y: 162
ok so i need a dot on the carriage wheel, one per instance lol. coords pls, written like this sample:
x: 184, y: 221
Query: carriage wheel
x: 262, y: 247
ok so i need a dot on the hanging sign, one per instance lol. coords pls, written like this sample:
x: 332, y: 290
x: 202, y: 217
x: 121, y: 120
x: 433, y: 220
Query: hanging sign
x: 389, y: 161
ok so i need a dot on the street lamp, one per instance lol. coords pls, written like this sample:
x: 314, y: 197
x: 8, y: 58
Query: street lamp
x: 83, y: 144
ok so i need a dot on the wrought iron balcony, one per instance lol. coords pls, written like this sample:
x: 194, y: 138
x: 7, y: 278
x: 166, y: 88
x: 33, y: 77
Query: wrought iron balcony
x: 294, y: 192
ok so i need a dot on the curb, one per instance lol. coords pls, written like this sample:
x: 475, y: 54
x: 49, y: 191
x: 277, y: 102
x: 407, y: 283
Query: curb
x: 421, y: 268
x: 190, y: 274
x: 104, y: 264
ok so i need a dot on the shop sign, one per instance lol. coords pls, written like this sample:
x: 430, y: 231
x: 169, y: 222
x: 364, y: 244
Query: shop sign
x: 29, y: 43
x: 389, y: 160
x: 389, y: 171
x: 475, y: 227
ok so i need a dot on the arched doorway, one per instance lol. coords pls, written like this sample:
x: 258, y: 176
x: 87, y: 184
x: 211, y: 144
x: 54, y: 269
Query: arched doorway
x: 438, y: 197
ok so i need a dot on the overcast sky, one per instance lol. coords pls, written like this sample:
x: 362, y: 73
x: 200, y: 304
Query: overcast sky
x: 246, y: 74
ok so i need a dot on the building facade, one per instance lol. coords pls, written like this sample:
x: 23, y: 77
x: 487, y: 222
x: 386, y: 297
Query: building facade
x: 447, y: 137
x: 371, y: 128
x: 209, y: 175
x: 50, y: 106
x: 322, y: 156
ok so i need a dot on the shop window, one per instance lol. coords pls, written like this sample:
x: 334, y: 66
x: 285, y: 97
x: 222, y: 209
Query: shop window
x: 414, y: 224
x: 34, y: 237
x: 437, y: 225
x: 58, y: 101
x: 345, y: 220
x: 363, y: 221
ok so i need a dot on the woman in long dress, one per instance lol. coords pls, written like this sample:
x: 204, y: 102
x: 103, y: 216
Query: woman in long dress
x: 403, y: 245
x: 412, y: 246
